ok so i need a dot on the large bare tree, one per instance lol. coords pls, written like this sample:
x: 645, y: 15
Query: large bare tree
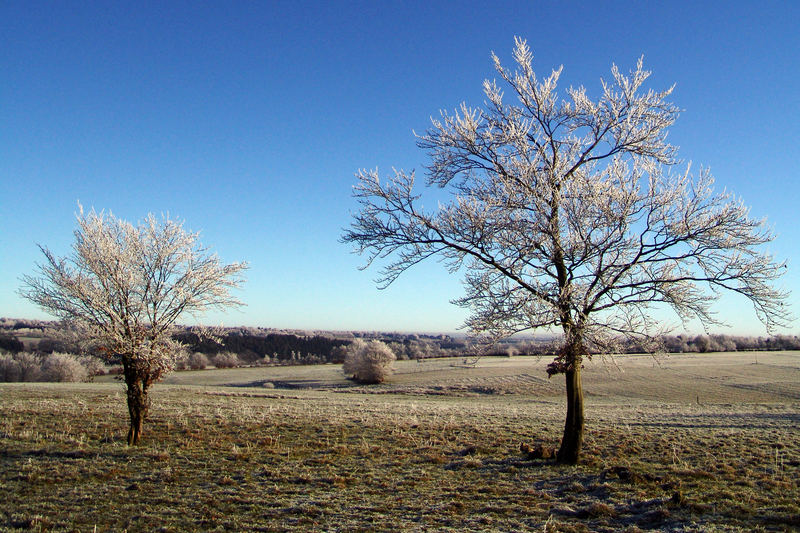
x: 568, y: 213
x: 126, y: 286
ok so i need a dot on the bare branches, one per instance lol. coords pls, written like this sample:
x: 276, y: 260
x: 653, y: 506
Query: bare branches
x: 130, y: 284
x: 570, y: 214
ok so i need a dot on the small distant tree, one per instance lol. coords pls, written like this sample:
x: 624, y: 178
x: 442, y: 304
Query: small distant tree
x: 368, y: 362
x: 566, y: 214
x: 127, y: 285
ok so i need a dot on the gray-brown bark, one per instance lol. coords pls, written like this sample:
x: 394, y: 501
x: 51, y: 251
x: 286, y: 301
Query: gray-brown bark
x: 137, y: 383
x: 572, y: 440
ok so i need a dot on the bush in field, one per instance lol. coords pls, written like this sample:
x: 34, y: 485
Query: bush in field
x: 226, y: 360
x: 25, y: 366
x: 63, y: 367
x: 94, y: 367
x: 368, y: 362
x: 8, y: 368
x: 339, y: 354
x: 30, y: 366
x: 22, y: 366
x: 197, y: 361
x: 349, y: 365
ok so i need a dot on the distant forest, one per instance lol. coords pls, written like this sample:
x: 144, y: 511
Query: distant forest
x: 266, y: 346
x: 250, y: 345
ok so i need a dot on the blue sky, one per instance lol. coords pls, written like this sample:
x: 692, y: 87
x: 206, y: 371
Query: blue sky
x: 248, y: 120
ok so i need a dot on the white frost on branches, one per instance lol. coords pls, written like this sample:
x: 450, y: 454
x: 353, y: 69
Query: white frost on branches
x: 568, y: 213
x: 129, y: 284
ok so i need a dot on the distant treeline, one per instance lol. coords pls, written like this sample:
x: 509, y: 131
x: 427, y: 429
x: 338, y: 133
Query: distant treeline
x: 251, y: 345
x: 276, y: 346
x: 262, y: 345
x: 729, y: 343
x: 669, y: 344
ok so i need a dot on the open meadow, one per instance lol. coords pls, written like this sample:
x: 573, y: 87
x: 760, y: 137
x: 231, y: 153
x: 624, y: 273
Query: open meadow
x: 700, y: 442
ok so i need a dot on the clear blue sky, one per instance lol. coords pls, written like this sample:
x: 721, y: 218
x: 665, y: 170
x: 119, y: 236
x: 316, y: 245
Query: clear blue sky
x: 249, y: 119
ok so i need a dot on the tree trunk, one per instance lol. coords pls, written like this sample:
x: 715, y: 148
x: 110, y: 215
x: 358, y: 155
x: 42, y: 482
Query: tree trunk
x: 571, y: 442
x: 137, y: 420
x: 138, y: 403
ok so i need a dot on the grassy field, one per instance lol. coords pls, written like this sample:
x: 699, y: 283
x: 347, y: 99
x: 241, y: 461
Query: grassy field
x: 686, y: 443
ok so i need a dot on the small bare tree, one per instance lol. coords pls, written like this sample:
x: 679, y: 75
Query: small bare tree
x: 567, y: 214
x: 127, y: 285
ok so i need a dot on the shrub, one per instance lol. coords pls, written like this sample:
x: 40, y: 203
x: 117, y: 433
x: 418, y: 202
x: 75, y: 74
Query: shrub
x: 25, y: 366
x: 9, y: 371
x: 226, y: 360
x: 198, y: 361
x: 350, y: 363
x: 63, y: 367
x: 29, y: 367
x: 339, y: 354
x: 94, y: 366
x: 368, y: 362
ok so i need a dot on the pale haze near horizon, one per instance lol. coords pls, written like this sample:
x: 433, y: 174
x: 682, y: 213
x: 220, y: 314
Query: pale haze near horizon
x: 249, y: 122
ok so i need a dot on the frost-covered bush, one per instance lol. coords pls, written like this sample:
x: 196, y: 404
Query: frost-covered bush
x: 197, y: 361
x: 63, y: 367
x: 226, y: 360
x: 25, y: 366
x: 368, y: 362
x: 8, y: 368
x: 22, y: 366
x: 94, y: 366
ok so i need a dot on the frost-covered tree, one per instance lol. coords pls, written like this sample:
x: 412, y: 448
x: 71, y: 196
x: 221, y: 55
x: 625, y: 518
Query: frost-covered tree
x: 569, y: 213
x: 127, y: 285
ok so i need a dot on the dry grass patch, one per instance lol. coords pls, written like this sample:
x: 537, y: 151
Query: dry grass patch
x: 318, y: 460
